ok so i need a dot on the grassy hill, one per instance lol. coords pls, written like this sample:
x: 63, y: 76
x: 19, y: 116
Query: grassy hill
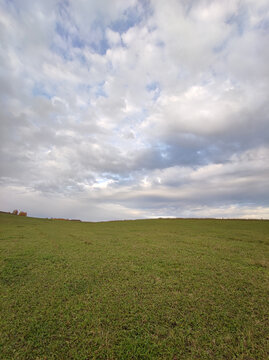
x: 145, y: 289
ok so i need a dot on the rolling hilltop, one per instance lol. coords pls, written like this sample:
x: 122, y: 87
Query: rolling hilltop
x: 145, y: 289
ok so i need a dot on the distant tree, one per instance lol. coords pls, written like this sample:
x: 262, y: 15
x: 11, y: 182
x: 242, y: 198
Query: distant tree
x: 15, y: 212
x: 22, y: 213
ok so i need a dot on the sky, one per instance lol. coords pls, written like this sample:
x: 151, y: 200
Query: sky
x: 131, y: 109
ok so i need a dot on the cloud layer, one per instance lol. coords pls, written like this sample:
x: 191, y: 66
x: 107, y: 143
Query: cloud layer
x: 134, y: 108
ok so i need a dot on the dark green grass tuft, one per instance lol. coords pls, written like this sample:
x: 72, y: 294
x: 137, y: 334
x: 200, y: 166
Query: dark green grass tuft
x: 149, y: 289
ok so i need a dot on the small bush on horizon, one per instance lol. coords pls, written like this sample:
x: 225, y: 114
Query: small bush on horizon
x: 22, y: 213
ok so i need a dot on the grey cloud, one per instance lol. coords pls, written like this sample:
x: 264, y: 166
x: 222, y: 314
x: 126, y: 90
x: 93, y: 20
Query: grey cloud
x: 83, y: 126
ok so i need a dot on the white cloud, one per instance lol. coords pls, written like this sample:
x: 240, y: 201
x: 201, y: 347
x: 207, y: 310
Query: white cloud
x: 113, y: 37
x: 149, y: 108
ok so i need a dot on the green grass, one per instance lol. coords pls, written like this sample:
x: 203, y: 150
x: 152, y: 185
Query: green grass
x: 147, y: 289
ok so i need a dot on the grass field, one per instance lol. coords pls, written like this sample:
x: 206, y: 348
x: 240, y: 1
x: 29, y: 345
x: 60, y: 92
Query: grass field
x: 146, y: 289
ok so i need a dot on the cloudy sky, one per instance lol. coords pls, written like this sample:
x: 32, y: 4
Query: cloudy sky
x: 130, y: 109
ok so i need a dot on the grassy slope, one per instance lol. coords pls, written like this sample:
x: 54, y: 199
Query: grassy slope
x: 149, y: 289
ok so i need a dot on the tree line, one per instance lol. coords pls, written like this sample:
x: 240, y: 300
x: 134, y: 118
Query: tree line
x: 20, y: 213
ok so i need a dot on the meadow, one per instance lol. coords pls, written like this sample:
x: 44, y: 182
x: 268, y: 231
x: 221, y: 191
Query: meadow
x: 146, y: 289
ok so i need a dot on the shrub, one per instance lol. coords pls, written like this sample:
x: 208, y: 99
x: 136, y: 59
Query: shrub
x: 15, y: 212
x: 22, y: 213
